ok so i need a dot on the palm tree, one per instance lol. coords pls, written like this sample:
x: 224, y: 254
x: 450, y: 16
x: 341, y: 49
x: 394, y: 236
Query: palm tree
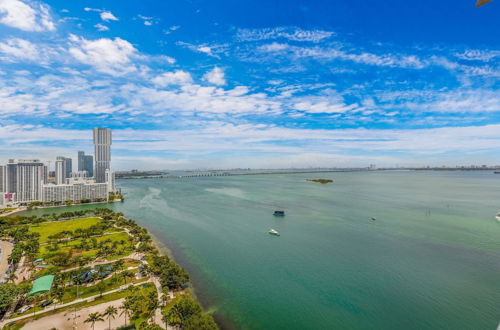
x: 119, y: 265
x: 126, y: 275
x: 126, y: 308
x: 110, y: 312
x: 11, y: 277
x: 93, y: 318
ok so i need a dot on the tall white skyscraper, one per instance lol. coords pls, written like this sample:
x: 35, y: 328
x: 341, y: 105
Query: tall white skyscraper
x: 102, y: 153
x: 68, y: 166
x: 60, y: 171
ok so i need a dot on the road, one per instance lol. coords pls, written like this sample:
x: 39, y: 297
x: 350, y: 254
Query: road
x: 5, y: 250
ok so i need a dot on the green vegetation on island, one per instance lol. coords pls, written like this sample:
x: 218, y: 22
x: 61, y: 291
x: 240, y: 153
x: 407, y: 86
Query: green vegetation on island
x: 322, y: 181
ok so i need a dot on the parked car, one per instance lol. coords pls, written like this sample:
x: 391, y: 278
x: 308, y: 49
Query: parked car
x: 24, y: 309
x: 46, y: 303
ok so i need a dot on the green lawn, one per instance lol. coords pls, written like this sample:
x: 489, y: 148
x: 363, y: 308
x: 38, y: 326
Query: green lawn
x: 124, y: 250
x: 114, y: 282
x: 47, y: 229
x: 65, y: 246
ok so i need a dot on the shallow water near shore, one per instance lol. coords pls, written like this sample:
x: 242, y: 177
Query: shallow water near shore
x: 431, y: 259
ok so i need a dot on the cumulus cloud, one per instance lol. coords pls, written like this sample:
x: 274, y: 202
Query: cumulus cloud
x: 101, y: 27
x: 178, y: 77
x: 104, y: 14
x: 26, y: 17
x: 16, y: 49
x: 216, y: 76
x: 108, y: 16
x: 112, y: 56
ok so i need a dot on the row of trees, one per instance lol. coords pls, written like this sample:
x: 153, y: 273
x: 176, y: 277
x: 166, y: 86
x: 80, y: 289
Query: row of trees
x: 186, y: 313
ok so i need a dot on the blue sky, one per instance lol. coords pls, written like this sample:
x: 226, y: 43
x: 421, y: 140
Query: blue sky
x: 224, y: 84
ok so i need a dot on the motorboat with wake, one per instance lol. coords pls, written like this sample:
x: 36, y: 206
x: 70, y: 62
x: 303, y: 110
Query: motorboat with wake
x: 274, y: 232
x: 497, y: 216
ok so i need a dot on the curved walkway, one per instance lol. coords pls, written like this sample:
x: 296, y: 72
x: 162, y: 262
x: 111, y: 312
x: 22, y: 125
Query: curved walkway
x: 5, y: 251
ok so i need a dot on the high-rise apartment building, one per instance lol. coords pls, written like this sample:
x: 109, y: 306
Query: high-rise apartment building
x: 102, y: 154
x: 86, y: 163
x: 68, y: 166
x: 60, y: 171
x: 25, y: 179
x: 3, y: 178
x: 81, y: 155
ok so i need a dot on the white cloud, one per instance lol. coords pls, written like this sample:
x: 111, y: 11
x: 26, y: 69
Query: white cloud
x: 329, y: 53
x: 101, y: 27
x: 178, y: 77
x: 105, y: 15
x: 148, y: 20
x: 205, y: 49
x: 20, y: 15
x: 478, y: 55
x: 290, y: 33
x: 210, y: 50
x: 16, y: 49
x: 273, y: 47
x: 108, y: 16
x: 216, y: 76
x: 112, y: 56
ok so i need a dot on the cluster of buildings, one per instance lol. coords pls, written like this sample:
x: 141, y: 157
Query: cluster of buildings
x: 27, y: 181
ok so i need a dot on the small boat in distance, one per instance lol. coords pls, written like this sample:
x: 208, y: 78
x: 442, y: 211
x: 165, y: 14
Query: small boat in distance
x: 497, y: 216
x: 279, y: 213
x: 373, y: 219
x: 273, y: 232
x: 496, y: 172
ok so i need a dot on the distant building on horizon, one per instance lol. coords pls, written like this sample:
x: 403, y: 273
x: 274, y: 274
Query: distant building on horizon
x: 102, y: 153
x: 86, y: 163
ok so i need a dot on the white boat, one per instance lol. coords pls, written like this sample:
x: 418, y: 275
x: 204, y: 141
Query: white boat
x: 498, y: 216
x: 273, y: 232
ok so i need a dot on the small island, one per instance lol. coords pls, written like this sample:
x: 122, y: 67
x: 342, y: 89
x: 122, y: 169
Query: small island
x: 322, y: 181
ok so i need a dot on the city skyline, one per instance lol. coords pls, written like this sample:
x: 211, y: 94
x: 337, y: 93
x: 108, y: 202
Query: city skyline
x: 256, y: 85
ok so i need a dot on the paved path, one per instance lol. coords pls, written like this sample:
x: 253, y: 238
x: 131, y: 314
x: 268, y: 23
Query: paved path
x: 5, y: 251
x: 67, y: 320
x: 135, y: 256
x: 52, y: 307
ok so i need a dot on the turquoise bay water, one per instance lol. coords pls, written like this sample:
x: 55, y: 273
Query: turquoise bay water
x: 431, y: 260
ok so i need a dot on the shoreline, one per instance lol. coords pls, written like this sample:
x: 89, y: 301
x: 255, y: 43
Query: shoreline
x: 54, y: 206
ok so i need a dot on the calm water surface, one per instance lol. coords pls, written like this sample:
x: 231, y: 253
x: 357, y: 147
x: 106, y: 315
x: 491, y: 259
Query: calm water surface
x: 431, y: 260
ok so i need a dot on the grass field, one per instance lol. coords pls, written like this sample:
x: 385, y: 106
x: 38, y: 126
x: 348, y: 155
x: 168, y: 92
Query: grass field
x: 114, y: 282
x: 47, y: 229
x: 65, y: 246
x: 122, y: 250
